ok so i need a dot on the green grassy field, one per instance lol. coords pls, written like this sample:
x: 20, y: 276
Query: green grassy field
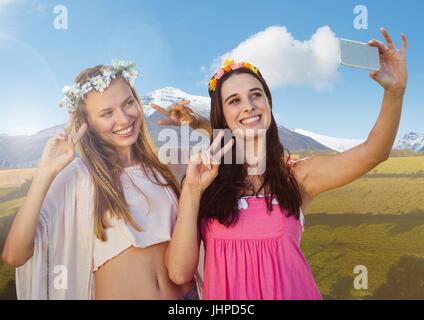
x: 14, y: 178
x: 9, y: 208
x: 7, y: 275
x: 373, y: 195
x: 374, y: 221
x: 334, y: 251
x: 407, y: 165
x: 5, y: 191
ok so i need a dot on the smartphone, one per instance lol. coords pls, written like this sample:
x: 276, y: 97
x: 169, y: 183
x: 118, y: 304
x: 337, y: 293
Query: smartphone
x: 359, y: 55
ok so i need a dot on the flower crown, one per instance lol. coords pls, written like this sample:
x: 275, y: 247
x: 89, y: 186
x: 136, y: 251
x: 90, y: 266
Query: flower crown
x: 228, y: 66
x: 75, y: 94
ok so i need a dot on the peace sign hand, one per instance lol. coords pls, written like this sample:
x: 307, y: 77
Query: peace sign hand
x: 179, y: 114
x: 60, y: 149
x: 204, y: 165
x: 393, y: 75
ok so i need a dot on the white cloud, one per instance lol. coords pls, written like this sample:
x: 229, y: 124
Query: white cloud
x: 283, y: 60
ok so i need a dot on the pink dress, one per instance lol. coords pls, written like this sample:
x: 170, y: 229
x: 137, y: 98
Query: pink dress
x: 259, y: 258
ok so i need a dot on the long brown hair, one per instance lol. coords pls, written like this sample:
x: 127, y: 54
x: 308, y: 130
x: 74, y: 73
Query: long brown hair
x: 219, y: 201
x: 105, y: 167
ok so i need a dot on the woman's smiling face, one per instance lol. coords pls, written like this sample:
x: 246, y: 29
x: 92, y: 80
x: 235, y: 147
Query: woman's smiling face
x: 245, y: 105
x: 114, y: 114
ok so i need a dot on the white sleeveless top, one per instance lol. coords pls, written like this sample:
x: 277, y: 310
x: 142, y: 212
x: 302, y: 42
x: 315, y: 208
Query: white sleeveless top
x: 155, y: 213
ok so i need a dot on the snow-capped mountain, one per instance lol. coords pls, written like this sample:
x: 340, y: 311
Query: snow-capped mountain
x: 337, y: 144
x: 167, y: 96
x: 411, y: 141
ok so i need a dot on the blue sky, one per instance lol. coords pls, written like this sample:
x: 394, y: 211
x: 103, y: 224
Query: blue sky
x: 172, y: 40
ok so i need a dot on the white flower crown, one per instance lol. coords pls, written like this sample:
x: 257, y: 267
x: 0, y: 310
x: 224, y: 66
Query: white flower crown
x: 75, y: 94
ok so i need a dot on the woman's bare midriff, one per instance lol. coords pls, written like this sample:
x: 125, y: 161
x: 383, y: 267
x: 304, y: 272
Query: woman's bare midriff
x: 138, y: 274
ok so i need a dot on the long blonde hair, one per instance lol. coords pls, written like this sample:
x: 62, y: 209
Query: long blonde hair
x: 105, y: 167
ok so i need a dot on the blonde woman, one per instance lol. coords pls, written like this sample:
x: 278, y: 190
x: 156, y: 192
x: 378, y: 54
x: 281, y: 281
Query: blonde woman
x: 98, y: 227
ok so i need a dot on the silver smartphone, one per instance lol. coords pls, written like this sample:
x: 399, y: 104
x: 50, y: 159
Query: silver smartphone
x: 359, y: 55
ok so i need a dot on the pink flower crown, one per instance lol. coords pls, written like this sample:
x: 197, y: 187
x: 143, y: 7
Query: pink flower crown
x: 230, y: 65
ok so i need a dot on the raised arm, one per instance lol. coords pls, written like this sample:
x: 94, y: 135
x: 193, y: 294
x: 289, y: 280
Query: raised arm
x: 57, y: 154
x: 180, y: 114
x: 318, y: 174
x: 183, y: 252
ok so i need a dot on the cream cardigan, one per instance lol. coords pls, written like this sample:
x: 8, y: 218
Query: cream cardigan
x: 63, y: 245
x: 64, y: 241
